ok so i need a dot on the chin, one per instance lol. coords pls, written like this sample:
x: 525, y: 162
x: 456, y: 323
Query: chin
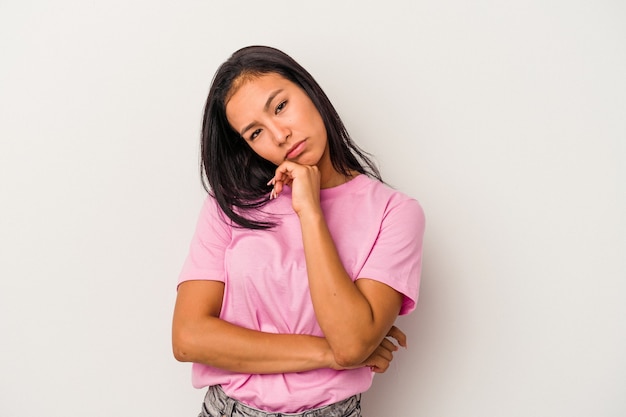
x: 308, y: 161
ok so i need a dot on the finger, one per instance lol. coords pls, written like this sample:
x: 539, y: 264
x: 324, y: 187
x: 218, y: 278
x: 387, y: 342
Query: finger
x: 389, y: 345
x: 379, y: 366
x: 279, y: 181
x: 283, y: 175
x: 398, y: 335
x: 294, y: 170
x: 378, y: 370
x: 383, y: 353
x: 286, y: 169
x: 278, y: 188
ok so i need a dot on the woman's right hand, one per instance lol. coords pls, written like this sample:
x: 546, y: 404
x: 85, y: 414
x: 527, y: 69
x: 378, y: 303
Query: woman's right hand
x: 304, y: 181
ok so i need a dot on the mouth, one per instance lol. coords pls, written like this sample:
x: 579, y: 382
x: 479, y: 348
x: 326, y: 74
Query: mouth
x: 295, y: 150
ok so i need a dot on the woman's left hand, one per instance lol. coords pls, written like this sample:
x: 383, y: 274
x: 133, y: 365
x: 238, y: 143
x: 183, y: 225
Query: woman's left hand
x: 304, y: 181
x: 380, y: 359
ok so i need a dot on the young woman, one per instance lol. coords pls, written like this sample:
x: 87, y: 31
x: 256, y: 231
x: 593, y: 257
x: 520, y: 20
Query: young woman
x: 302, y: 257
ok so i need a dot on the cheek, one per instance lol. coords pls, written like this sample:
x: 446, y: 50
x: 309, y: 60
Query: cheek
x: 316, y: 119
x: 319, y: 123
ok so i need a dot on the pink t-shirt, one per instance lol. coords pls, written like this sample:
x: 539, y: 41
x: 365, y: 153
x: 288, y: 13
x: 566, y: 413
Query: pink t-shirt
x: 378, y: 234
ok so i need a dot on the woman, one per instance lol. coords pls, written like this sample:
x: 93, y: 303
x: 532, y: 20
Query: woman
x: 302, y: 258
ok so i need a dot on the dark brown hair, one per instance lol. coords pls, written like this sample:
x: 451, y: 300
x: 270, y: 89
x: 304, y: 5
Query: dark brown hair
x: 232, y: 172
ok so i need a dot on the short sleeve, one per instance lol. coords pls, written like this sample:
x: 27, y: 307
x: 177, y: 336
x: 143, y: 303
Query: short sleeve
x: 205, y: 260
x: 396, y: 257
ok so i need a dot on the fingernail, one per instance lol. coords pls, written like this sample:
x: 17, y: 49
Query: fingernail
x: 272, y: 181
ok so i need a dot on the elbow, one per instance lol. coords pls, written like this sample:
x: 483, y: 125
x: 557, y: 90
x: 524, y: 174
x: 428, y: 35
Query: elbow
x: 346, y: 362
x: 181, y: 347
x: 180, y: 354
x: 351, y: 356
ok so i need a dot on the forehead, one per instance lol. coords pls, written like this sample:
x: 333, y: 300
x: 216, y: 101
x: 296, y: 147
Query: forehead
x: 254, y: 81
x: 250, y: 92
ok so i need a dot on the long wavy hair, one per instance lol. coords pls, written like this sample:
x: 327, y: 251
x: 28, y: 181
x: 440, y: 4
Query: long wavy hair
x: 231, y: 171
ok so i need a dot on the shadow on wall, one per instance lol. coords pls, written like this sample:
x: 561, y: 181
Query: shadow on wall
x: 433, y: 331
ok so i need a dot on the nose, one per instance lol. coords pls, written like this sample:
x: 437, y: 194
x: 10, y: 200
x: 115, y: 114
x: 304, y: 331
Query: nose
x: 281, y: 132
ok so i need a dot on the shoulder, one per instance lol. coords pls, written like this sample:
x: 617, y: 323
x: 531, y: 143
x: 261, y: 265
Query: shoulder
x: 368, y: 201
x: 393, y: 201
x: 211, y: 208
x: 212, y: 219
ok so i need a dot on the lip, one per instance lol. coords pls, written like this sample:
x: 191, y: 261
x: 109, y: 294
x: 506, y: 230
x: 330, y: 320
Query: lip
x: 295, y: 150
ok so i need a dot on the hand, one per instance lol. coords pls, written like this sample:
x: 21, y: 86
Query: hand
x: 382, y: 356
x: 304, y: 181
x: 380, y: 359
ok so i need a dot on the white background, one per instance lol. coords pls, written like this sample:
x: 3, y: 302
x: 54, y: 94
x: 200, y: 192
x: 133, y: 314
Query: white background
x: 507, y: 120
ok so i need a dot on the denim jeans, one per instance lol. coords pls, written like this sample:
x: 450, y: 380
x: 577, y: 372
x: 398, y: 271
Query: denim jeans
x: 218, y: 404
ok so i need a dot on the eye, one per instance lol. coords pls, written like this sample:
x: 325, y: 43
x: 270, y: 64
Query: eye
x: 280, y: 106
x: 254, y: 134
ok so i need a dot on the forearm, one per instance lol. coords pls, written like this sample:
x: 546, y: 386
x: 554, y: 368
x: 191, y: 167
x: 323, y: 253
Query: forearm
x: 220, y: 344
x: 343, y: 312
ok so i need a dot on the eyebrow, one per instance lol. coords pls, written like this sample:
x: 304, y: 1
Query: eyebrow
x: 265, y: 108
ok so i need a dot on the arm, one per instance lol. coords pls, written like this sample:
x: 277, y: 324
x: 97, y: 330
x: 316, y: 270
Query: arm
x: 367, y: 308
x: 355, y: 317
x: 198, y: 335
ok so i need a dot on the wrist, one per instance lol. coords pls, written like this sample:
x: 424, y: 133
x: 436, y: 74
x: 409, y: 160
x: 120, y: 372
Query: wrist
x: 310, y: 215
x: 327, y: 357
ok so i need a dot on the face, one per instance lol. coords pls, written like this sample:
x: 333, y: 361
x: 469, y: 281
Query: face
x: 278, y: 120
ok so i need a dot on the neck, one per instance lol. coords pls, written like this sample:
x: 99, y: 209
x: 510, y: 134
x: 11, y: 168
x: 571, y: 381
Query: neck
x: 330, y: 176
x: 336, y: 179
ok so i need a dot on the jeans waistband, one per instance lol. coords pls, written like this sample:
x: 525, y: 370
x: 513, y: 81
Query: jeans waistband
x: 218, y: 404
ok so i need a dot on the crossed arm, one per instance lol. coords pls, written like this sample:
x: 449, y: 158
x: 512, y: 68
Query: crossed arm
x: 199, y: 335
x: 355, y: 317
